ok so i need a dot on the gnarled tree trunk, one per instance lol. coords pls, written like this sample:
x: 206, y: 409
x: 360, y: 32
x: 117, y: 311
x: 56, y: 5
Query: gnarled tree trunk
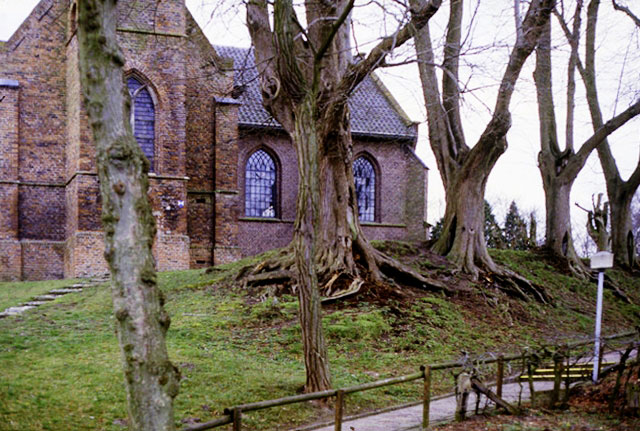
x: 463, y: 239
x: 623, y: 242
x: 151, y: 380
x: 465, y: 170
x: 307, y: 77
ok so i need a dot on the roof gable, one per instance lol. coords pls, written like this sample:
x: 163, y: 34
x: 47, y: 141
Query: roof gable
x: 374, y: 112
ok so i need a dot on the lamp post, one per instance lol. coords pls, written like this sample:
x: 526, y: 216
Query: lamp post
x: 600, y: 261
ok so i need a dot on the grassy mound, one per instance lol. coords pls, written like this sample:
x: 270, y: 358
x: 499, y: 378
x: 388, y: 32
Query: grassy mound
x: 60, y: 362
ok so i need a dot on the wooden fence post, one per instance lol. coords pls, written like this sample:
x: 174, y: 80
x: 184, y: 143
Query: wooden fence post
x: 601, y: 353
x: 557, y: 378
x: 426, y: 402
x: 500, y: 375
x: 339, y: 407
x: 237, y: 419
x: 532, y: 389
x: 567, y: 380
x: 463, y: 387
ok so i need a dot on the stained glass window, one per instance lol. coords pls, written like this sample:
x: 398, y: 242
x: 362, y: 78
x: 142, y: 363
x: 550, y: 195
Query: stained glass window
x: 142, y: 117
x: 260, y: 186
x: 365, y: 180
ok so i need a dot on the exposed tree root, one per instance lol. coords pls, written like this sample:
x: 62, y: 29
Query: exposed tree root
x: 335, y: 280
x: 577, y: 268
x: 405, y: 275
x: 617, y: 291
x: 518, y: 286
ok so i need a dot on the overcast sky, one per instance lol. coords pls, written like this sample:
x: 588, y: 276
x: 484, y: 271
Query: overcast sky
x: 516, y: 176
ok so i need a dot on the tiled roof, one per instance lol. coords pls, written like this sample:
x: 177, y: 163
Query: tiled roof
x: 374, y: 112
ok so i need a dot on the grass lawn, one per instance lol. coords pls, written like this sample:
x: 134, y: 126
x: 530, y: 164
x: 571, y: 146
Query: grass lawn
x: 60, y: 362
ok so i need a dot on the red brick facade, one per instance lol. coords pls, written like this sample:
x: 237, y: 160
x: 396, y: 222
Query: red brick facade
x: 49, y: 193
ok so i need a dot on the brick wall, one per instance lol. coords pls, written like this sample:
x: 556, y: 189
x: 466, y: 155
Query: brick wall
x: 154, y: 16
x: 42, y: 260
x: 10, y: 249
x: 200, y: 229
x: 42, y: 212
x: 10, y: 260
x: 9, y: 131
x: 416, y: 198
x: 84, y: 255
x: 226, y: 204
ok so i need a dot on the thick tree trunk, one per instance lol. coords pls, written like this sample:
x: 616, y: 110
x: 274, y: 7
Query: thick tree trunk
x: 307, y: 231
x: 462, y: 239
x: 622, y: 238
x: 558, y: 238
x: 151, y: 380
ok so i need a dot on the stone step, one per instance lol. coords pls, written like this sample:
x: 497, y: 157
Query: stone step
x: 35, y: 303
x: 14, y: 311
x: 45, y: 298
x: 64, y: 291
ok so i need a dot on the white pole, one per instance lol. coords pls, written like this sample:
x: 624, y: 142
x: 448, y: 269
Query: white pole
x: 596, y: 353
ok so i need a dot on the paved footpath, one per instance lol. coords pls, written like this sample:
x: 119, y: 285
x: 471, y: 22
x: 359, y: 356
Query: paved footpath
x: 441, y: 410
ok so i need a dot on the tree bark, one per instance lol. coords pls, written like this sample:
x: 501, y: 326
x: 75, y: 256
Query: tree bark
x: 465, y: 170
x: 307, y: 230
x: 623, y: 241
x: 151, y: 380
x: 307, y: 77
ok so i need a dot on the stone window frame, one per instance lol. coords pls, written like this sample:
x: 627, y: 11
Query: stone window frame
x: 153, y: 93
x: 377, y: 184
x: 278, y: 182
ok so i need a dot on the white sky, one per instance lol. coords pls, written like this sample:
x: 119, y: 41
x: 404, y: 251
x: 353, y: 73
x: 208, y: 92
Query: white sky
x: 516, y: 176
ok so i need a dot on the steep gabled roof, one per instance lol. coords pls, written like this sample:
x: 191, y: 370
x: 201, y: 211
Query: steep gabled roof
x: 374, y: 112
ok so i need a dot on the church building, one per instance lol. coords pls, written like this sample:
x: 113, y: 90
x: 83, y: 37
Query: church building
x: 223, y: 174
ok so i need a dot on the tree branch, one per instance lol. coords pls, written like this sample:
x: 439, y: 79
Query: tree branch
x: 546, y: 107
x: 634, y: 180
x: 334, y: 30
x: 359, y: 71
x: 571, y: 75
x: 576, y: 163
x: 626, y: 10
x: 450, y: 64
x: 441, y: 138
x: 532, y: 27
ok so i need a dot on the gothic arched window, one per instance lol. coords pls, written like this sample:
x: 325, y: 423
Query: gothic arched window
x: 260, y: 186
x: 143, y: 117
x: 364, y: 177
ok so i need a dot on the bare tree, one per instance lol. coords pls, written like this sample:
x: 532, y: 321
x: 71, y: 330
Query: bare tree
x: 465, y: 170
x: 619, y: 191
x: 560, y: 167
x: 307, y: 75
x: 152, y: 382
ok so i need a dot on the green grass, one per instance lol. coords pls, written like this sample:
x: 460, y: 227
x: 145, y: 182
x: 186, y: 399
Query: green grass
x: 60, y: 363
